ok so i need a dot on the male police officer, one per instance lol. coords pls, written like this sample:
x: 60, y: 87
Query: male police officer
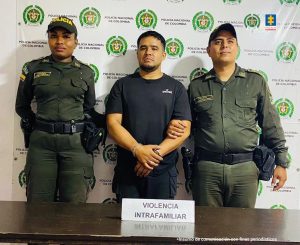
x: 139, y: 109
x: 63, y: 88
x: 227, y: 103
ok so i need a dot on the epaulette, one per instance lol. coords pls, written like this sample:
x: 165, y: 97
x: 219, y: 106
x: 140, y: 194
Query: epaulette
x: 199, y: 75
x: 260, y: 73
x: 44, y: 59
x: 79, y: 63
x: 41, y: 59
x: 253, y: 71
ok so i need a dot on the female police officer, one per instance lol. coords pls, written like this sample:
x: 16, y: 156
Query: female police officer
x: 63, y: 88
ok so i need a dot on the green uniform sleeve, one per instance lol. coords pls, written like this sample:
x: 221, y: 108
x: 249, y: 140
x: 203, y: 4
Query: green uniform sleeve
x: 90, y: 101
x: 192, y: 111
x: 25, y: 94
x: 269, y: 121
x: 90, y: 96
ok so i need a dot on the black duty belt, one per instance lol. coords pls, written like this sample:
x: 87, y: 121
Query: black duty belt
x: 59, y: 127
x: 224, y: 158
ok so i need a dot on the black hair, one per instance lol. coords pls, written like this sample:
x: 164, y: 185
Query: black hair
x: 152, y: 34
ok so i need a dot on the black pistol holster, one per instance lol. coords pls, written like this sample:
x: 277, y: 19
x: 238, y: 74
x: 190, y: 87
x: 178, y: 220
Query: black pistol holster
x: 187, y: 161
x: 264, y: 158
x: 92, y: 136
x: 27, y: 127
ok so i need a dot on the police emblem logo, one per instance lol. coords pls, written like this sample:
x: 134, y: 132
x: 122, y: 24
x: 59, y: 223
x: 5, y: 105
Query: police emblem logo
x: 174, y: 48
x: 33, y: 15
x: 258, y: 129
x: 175, y: 1
x: 146, y: 19
x: 264, y: 75
x: 116, y: 46
x: 289, y: 2
x: 110, y: 154
x: 286, y: 52
x: 284, y: 107
x: 110, y: 200
x: 252, y: 21
x: 96, y: 72
x: 22, y: 179
x: 260, y: 188
x: 197, y: 73
x: 203, y: 21
x: 289, y: 159
x: 278, y: 206
x: 232, y: 2
x: 89, y: 17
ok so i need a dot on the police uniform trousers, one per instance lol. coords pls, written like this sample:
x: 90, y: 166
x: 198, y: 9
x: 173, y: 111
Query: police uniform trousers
x: 58, y: 163
x: 223, y: 185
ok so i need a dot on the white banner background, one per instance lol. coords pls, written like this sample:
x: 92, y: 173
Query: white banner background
x: 258, y: 50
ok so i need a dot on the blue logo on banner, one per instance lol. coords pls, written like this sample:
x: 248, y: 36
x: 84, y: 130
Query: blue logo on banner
x: 270, y: 20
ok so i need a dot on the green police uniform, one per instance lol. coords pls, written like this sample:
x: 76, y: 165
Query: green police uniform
x: 56, y: 159
x: 225, y: 119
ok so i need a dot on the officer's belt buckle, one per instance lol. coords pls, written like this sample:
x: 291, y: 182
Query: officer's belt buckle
x: 59, y: 128
x: 227, y: 158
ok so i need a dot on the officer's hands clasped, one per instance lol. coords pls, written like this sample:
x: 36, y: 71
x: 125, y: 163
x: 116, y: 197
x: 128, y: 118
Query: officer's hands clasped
x: 175, y: 129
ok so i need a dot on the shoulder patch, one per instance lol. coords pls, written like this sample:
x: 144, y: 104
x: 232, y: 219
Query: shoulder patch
x: 29, y: 65
x: 25, y: 69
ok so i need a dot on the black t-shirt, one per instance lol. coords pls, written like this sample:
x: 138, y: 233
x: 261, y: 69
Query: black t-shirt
x: 147, y: 106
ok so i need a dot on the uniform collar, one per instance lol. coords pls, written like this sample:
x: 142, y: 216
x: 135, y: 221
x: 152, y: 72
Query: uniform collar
x: 239, y: 72
x: 49, y: 59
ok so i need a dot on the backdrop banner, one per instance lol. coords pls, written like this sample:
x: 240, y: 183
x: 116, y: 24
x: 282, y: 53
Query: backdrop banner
x: 268, y: 35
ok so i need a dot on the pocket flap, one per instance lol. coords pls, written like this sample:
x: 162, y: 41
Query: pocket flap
x: 246, y: 103
x: 80, y: 84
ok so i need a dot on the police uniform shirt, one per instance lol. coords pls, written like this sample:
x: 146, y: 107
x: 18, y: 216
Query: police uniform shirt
x: 63, y: 92
x: 225, y: 115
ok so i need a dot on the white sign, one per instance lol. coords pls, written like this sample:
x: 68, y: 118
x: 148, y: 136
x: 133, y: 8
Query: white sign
x: 158, y: 210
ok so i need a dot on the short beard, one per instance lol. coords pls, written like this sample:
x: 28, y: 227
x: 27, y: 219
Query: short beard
x: 148, y: 68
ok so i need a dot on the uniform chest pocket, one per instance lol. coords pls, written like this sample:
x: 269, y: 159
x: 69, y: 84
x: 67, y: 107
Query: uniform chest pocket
x: 79, y: 83
x: 204, y: 112
x: 202, y: 106
x: 246, y: 110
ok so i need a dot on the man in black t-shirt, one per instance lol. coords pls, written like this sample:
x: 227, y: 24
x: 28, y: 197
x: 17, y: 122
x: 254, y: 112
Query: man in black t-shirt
x: 139, y: 109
